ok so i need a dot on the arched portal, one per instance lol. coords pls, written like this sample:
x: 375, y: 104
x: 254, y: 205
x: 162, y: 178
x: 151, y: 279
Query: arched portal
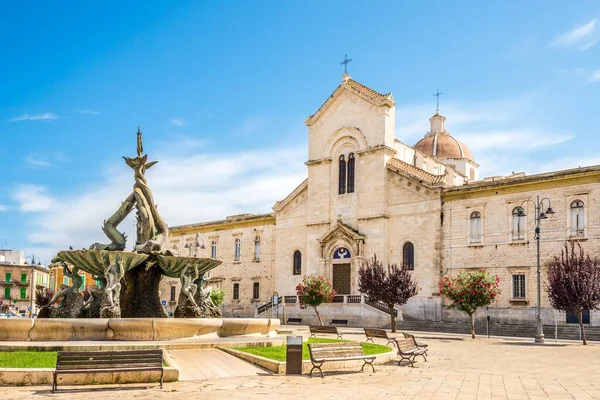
x: 341, y: 263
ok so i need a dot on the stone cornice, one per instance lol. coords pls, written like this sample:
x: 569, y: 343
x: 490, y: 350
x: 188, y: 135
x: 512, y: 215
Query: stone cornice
x: 326, y: 160
x: 379, y: 147
x: 299, y: 189
x: 318, y: 223
x: 372, y: 217
x: 257, y: 220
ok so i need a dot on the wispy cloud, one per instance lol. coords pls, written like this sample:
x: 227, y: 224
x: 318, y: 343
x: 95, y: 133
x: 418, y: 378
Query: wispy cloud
x: 3, y: 208
x: 33, y: 198
x: 187, y: 187
x: 89, y: 112
x: 41, y: 160
x: 582, y: 37
x: 594, y: 76
x: 35, y: 117
x: 178, y: 121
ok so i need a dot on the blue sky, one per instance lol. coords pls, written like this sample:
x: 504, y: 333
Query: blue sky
x: 221, y: 90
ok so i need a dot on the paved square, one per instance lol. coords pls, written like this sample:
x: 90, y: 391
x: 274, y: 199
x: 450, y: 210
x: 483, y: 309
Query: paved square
x: 457, y: 368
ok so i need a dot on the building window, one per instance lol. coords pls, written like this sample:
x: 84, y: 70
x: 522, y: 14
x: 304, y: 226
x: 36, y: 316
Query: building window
x: 213, y: 249
x: 518, y: 282
x: 257, y: 248
x: 475, y: 227
x: 173, y: 289
x: 577, y: 226
x: 518, y: 223
x: 66, y: 280
x: 342, y: 177
x: 256, y: 290
x: 23, y: 278
x: 408, y: 256
x: 297, y: 263
x: 7, y: 293
x: 237, y: 251
x: 23, y: 293
x: 8, y: 277
x: 236, y: 291
x: 351, y: 173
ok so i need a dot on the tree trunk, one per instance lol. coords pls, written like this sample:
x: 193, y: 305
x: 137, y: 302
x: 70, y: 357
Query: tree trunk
x: 580, y: 319
x: 139, y: 293
x: 319, y: 316
x: 472, y: 322
x: 392, y: 317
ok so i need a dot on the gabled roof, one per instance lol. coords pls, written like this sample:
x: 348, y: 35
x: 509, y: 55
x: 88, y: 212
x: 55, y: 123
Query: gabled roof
x: 282, y: 203
x: 416, y: 173
x: 340, y: 228
x: 348, y: 84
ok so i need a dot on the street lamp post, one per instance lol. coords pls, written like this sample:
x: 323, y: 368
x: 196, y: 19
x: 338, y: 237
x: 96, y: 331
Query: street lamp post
x: 539, y: 216
x: 32, y: 283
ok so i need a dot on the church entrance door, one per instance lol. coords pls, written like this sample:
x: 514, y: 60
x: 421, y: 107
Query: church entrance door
x: 341, y: 278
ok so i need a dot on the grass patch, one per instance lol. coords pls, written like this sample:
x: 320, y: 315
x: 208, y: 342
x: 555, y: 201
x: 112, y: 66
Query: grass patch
x: 277, y: 353
x: 27, y: 359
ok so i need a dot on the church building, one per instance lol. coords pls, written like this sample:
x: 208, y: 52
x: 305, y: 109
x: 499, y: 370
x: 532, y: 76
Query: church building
x: 423, y: 206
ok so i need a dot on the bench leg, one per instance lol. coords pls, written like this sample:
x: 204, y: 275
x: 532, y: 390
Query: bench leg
x: 392, y: 341
x: 367, y: 362
x: 371, y: 339
x: 410, y: 359
x: 162, y: 372
x: 312, y: 335
x: 317, y: 367
x: 53, y: 382
x: 423, y: 355
x: 340, y: 336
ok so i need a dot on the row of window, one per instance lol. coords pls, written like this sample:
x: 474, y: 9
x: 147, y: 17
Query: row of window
x: 255, y: 291
x: 519, y: 223
x: 23, y: 294
x: 237, y: 249
x: 8, y: 277
x: 346, y: 174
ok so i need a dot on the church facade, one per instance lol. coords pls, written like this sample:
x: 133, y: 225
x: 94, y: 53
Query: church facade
x: 423, y: 206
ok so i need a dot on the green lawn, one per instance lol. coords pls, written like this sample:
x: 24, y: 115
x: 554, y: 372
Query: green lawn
x: 28, y: 359
x: 277, y: 353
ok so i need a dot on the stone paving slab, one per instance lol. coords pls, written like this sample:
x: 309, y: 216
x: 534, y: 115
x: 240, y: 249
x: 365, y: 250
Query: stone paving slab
x: 196, y: 365
x: 456, y: 369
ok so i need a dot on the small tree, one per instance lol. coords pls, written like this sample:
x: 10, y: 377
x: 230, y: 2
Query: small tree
x: 217, y: 296
x: 42, y: 300
x: 470, y: 291
x: 574, y: 282
x: 314, y: 291
x: 390, y: 286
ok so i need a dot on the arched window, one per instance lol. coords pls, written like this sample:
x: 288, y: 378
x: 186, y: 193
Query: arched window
x: 237, y: 250
x: 342, y: 177
x: 213, y: 249
x: 577, y: 219
x: 297, y: 263
x: 256, y: 248
x: 408, y: 256
x: 475, y: 227
x: 351, y: 173
x: 518, y: 223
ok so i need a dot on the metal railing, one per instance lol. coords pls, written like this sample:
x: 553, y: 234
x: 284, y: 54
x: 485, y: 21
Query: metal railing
x: 380, y: 306
x: 268, y: 306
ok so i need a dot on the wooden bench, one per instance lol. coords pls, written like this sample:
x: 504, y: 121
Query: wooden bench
x: 314, y: 329
x: 379, y: 333
x: 296, y: 321
x: 340, y: 322
x: 419, y: 345
x: 86, y: 362
x: 407, y: 350
x: 345, y: 351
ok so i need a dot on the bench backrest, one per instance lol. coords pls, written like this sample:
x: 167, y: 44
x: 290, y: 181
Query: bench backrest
x: 380, y: 333
x: 323, y: 329
x: 404, y: 345
x: 320, y: 351
x: 70, y: 360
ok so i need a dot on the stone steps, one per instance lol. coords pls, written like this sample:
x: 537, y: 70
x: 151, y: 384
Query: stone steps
x: 569, y: 332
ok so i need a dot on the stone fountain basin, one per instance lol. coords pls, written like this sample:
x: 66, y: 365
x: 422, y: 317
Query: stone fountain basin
x: 132, y: 329
x: 92, y: 261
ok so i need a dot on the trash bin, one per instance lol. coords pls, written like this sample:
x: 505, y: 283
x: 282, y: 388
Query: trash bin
x: 293, y: 356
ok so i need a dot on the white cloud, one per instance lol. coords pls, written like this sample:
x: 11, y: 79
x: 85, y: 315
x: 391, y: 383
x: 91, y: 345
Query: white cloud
x: 187, y: 188
x: 594, y: 76
x: 39, y: 160
x: 3, y: 208
x: 582, y: 37
x: 513, y: 140
x: 89, y: 112
x: 36, y: 117
x: 34, y: 198
x: 178, y: 121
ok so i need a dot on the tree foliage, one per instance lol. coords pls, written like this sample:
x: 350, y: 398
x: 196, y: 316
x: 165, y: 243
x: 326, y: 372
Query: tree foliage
x: 43, y: 297
x: 469, y: 291
x: 392, y: 285
x: 314, y: 291
x: 217, y: 296
x: 574, y: 282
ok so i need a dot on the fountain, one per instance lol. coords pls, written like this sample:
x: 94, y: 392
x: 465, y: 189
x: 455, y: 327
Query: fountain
x: 130, y: 280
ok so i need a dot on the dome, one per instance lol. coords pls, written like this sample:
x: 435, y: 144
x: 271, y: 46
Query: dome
x: 441, y: 144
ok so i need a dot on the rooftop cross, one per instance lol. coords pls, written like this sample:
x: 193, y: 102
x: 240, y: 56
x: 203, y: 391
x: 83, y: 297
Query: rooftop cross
x: 437, y: 94
x: 345, y: 63
x: 140, y: 148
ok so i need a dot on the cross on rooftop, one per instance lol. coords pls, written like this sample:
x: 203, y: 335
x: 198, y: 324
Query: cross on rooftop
x: 345, y: 63
x: 437, y: 94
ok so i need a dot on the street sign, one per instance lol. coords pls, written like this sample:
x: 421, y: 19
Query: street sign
x: 164, y: 302
x: 28, y: 308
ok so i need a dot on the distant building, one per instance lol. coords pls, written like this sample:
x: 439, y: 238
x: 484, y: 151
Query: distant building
x: 58, y: 278
x: 19, y: 281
